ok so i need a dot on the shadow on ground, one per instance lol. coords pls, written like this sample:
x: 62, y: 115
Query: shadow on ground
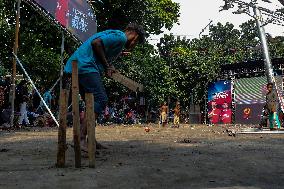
x: 135, y: 159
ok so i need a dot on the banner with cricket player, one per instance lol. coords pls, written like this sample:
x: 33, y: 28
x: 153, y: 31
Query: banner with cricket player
x: 250, y: 98
x: 76, y: 16
x: 220, y: 102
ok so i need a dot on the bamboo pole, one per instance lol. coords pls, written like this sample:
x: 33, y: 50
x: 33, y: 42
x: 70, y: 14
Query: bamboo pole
x: 91, y: 126
x: 14, y: 68
x: 75, y: 111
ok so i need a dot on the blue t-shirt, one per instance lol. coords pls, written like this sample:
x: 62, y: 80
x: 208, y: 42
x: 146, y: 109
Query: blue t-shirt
x: 113, y: 42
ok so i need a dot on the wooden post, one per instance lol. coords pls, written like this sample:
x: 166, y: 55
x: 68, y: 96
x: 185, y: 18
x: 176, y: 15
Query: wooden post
x: 14, y: 62
x: 62, y: 128
x: 63, y: 109
x: 76, y: 117
x: 90, y: 123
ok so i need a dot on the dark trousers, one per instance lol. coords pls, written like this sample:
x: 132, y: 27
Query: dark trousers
x: 92, y: 83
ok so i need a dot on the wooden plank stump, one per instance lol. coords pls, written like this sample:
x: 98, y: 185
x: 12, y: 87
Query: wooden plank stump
x: 76, y: 116
x: 90, y: 123
x: 63, y: 103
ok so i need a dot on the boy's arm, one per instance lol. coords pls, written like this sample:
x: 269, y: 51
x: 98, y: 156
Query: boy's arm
x: 99, y: 51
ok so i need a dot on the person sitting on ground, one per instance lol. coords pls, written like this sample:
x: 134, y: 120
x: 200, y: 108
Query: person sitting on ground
x: 36, y: 99
x: 94, y: 59
x: 106, y: 114
x: 47, y: 97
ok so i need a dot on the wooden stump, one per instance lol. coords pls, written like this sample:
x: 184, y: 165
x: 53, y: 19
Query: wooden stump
x: 62, y: 128
x: 90, y: 124
x: 76, y: 116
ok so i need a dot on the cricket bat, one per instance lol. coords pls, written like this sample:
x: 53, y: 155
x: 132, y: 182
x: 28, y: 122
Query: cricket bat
x: 129, y: 83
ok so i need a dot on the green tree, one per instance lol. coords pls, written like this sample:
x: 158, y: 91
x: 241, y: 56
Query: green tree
x: 40, y: 39
x: 197, y: 62
x: 152, y: 14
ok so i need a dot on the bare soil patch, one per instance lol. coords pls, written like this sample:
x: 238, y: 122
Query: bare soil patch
x: 194, y: 156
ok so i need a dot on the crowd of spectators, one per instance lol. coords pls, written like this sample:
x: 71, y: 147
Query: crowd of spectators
x: 121, y: 113
x: 29, y: 109
x: 27, y: 105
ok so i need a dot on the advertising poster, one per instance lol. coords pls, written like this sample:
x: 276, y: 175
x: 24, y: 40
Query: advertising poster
x: 76, y: 16
x: 250, y: 99
x: 220, y: 102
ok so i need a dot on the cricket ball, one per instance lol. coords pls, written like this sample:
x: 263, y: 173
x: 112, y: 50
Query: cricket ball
x: 147, y: 129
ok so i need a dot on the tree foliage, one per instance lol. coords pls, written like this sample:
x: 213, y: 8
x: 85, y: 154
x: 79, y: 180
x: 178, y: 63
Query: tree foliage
x: 179, y: 68
x: 152, y: 14
x: 40, y: 39
x: 195, y: 63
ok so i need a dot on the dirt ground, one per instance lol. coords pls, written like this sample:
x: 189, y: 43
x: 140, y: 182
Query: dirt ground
x: 189, y: 157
